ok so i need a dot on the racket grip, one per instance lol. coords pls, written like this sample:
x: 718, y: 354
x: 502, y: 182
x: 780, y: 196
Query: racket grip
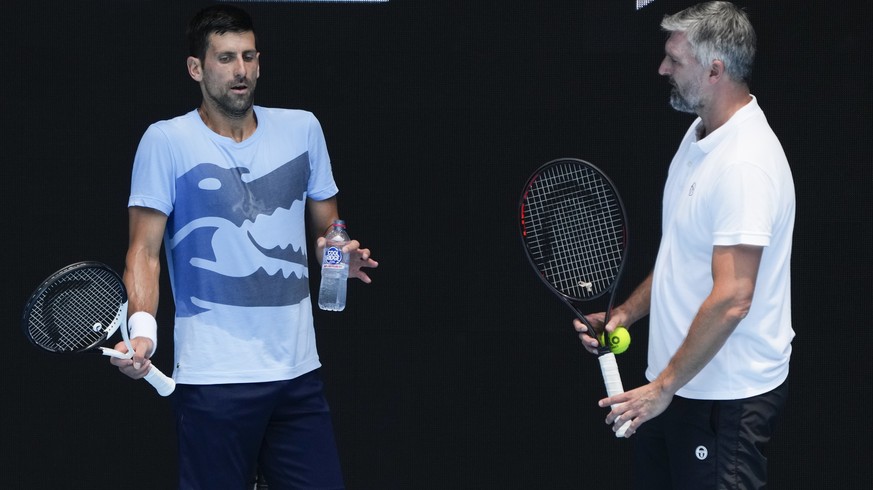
x: 160, y: 381
x: 612, y: 379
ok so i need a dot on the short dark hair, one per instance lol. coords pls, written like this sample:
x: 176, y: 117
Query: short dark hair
x: 216, y: 19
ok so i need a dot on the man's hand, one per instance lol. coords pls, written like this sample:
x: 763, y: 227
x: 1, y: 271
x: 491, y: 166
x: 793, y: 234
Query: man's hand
x: 638, y: 405
x: 360, y: 258
x: 137, y: 366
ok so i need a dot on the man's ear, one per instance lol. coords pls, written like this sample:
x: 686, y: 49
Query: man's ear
x: 195, y: 68
x: 716, y: 70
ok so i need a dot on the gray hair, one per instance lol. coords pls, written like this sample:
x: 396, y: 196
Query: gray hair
x: 717, y: 31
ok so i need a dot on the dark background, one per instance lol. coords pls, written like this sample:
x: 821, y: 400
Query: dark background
x: 455, y: 369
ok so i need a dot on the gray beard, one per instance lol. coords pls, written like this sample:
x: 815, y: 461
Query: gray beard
x: 681, y: 103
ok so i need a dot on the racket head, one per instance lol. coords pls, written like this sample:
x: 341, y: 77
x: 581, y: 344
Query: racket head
x: 573, y: 229
x: 75, y: 309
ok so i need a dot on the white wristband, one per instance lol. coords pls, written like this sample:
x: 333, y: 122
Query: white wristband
x: 143, y: 324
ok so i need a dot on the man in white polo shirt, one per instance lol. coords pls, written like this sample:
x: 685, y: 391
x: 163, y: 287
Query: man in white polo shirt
x: 718, y: 297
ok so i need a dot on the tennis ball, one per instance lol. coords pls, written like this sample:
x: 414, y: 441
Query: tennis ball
x: 619, y: 340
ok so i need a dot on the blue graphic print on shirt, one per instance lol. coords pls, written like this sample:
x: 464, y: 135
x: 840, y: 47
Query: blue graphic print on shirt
x: 232, y: 242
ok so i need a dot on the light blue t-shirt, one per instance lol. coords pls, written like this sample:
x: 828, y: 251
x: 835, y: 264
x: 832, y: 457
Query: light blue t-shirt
x: 236, y: 241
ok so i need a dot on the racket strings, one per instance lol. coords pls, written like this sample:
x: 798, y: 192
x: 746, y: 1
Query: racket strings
x: 76, y: 311
x: 574, y: 229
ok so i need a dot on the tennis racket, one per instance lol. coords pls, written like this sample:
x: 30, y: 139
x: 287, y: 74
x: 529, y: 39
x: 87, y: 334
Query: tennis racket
x: 78, y: 308
x: 573, y: 229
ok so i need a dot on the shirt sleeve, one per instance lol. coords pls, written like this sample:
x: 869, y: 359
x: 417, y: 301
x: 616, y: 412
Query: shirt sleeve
x: 152, y: 179
x: 321, y: 183
x: 746, y: 206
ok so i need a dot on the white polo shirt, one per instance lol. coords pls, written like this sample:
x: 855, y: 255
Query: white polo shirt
x: 732, y: 187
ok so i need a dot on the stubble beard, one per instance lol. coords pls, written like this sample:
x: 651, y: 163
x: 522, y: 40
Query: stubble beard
x: 684, y: 102
x: 234, y: 106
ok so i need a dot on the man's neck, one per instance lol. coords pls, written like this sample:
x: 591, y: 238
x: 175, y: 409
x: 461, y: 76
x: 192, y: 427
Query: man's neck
x: 237, y: 129
x: 723, y: 107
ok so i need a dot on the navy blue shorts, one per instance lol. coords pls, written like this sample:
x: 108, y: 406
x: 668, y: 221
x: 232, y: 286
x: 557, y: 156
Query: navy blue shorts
x: 283, y: 429
x: 708, y: 444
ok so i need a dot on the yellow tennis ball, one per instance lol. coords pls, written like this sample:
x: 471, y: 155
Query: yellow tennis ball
x: 619, y: 340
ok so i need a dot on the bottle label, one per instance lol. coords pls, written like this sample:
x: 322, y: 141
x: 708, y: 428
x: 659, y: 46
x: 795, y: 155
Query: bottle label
x: 333, y: 258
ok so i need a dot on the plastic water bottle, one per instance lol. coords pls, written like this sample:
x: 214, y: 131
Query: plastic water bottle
x: 334, y: 269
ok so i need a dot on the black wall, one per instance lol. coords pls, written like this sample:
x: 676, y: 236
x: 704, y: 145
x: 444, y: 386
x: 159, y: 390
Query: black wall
x: 455, y: 369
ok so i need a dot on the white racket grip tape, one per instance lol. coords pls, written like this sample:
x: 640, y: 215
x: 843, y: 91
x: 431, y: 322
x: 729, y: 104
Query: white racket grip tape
x: 160, y: 381
x: 612, y: 379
